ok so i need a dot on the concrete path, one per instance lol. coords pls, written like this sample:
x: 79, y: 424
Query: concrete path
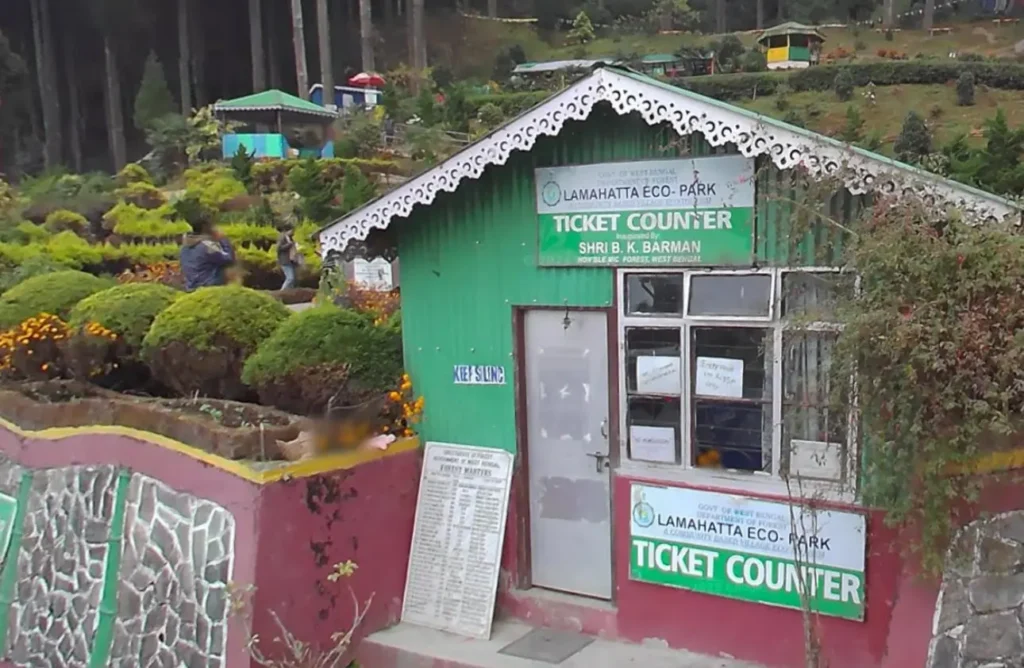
x: 409, y: 646
x: 300, y: 307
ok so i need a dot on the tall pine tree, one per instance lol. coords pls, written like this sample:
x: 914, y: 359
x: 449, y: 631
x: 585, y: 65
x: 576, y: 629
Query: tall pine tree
x: 154, y: 98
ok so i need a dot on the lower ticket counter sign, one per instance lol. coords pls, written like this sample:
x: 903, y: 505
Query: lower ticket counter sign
x: 748, y: 549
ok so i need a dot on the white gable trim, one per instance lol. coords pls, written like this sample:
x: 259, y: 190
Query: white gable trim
x: 787, y: 147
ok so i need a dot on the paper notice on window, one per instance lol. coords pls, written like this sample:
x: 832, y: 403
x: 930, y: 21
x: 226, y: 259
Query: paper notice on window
x: 719, y: 377
x: 657, y: 375
x: 652, y: 444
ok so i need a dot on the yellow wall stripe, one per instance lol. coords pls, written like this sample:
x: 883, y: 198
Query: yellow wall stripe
x: 256, y: 472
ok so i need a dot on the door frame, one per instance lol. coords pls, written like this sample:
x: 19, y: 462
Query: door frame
x: 523, y: 578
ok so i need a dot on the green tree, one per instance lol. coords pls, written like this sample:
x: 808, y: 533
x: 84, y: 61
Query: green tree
x: 154, y: 99
x: 843, y: 85
x: 315, y: 192
x: 914, y: 141
x: 965, y: 89
x: 998, y: 166
x: 356, y: 189
x: 14, y: 95
x: 853, y: 131
x: 582, y: 30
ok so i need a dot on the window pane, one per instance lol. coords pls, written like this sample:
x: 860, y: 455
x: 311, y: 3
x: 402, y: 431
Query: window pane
x: 732, y: 405
x: 814, y: 296
x: 654, y: 426
x: 730, y: 295
x: 653, y: 363
x: 813, y: 431
x: 654, y: 294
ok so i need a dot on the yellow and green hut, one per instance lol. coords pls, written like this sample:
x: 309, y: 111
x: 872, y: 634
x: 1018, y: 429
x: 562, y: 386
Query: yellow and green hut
x: 790, y: 46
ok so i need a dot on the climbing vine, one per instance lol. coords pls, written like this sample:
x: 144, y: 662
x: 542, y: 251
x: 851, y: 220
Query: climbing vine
x: 934, y: 346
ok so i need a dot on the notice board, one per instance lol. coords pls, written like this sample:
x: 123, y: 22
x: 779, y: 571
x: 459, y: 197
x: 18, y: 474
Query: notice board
x: 452, y: 579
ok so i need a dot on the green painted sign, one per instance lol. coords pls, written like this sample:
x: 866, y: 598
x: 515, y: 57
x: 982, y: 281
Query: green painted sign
x: 652, y: 213
x: 748, y: 549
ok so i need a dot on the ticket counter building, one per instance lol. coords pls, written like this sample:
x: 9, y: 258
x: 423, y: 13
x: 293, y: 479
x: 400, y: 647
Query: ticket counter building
x: 601, y: 287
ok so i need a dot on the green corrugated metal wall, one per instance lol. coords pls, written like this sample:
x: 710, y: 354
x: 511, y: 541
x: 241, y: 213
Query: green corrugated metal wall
x: 471, y: 256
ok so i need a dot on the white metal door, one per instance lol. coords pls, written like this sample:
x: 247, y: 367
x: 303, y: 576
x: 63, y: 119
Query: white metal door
x: 567, y: 446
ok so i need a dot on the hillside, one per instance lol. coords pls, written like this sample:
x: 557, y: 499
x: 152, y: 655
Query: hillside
x: 937, y: 103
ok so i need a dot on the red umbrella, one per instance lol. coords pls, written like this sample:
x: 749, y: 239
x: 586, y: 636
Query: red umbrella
x: 367, y: 79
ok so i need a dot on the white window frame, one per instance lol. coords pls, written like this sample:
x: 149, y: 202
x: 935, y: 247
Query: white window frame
x: 685, y: 472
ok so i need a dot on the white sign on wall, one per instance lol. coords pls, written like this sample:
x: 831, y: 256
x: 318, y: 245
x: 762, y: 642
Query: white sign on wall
x: 658, y: 375
x: 375, y: 274
x: 719, y: 377
x: 745, y: 548
x: 452, y: 580
x: 652, y: 444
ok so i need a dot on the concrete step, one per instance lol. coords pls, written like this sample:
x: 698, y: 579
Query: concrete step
x: 410, y: 646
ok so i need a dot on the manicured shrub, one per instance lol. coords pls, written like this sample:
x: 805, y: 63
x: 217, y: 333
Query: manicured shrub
x: 213, y: 185
x: 107, y: 329
x: 63, y: 220
x: 26, y: 233
x: 32, y: 266
x: 133, y: 172
x: 914, y: 141
x: 141, y: 194
x: 135, y: 222
x: 843, y: 85
x: 199, y: 344
x: 55, y: 293
x: 326, y: 352
x: 127, y: 310
x: 965, y: 89
x: 490, y: 115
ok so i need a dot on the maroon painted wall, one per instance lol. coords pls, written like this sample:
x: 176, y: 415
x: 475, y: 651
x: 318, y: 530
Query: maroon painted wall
x: 894, y: 634
x: 307, y: 525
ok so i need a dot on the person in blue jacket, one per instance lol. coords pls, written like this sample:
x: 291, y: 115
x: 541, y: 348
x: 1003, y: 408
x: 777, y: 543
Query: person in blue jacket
x: 205, y: 255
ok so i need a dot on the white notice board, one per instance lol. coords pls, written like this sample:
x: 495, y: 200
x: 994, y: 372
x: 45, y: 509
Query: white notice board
x: 452, y: 580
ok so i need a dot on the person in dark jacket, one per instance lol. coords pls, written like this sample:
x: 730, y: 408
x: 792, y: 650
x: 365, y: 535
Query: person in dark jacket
x: 288, y: 256
x: 205, y: 255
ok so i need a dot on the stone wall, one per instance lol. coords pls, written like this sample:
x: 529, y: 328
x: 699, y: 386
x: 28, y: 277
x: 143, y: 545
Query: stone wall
x: 979, y: 618
x: 164, y: 588
x: 172, y: 595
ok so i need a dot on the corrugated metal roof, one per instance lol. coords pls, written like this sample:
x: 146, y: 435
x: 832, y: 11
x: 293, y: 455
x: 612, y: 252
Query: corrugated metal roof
x: 558, y: 65
x: 791, y: 28
x: 631, y: 91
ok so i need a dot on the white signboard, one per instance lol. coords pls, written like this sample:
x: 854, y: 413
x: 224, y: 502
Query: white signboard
x: 452, y: 581
x: 652, y: 444
x: 749, y: 549
x: 478, y: 374
x: 658, y: 375
x: 374, y: 274
x: 719, y: 377
x: 719, y: 182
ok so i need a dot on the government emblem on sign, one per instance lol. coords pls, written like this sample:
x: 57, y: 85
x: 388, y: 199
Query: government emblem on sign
x: 551, y: 193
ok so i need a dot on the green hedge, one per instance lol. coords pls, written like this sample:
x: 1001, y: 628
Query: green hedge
x: 1004, y: 75
x: 270, y: 176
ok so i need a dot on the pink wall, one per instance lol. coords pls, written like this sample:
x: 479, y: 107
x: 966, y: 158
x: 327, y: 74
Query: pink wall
x: 307, y: 525
x: 288, y: 534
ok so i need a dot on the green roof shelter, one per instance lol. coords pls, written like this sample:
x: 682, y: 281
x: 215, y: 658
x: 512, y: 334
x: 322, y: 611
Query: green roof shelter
x: 297, y: 125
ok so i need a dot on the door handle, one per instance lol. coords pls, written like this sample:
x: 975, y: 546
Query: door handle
x: 600, y: 461
x: 604, y: 428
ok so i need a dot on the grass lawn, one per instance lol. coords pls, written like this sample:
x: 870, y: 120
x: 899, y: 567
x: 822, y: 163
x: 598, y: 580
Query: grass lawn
x: 823, y: 113
x: 982, y: 37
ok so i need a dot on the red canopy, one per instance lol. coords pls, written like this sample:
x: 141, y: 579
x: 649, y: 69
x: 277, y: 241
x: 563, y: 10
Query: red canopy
x: 367, y: 79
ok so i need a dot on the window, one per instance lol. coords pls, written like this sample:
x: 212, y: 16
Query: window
x: 728, y: 371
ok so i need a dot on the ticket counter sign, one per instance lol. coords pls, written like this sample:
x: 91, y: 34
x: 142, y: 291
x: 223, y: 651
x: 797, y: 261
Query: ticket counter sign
x: 748, y: 549
x: 653, y: 213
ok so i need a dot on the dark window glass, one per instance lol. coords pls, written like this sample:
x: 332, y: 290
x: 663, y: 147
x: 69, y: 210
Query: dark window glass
x: 731, y: 295
x: 654, y: 294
